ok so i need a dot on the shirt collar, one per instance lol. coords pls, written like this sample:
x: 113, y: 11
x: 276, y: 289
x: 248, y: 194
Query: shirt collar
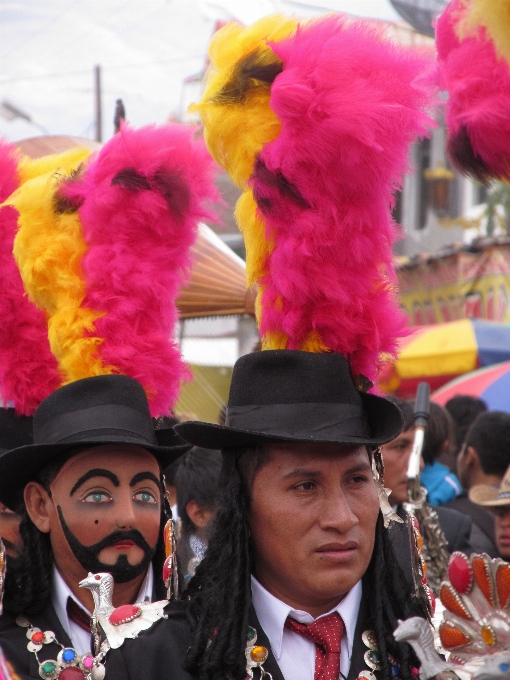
x: 61, y: 591
x: 272, y: 614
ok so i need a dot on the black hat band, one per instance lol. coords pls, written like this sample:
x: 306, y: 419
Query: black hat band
x: 68, y: 426
x: 322, y: 421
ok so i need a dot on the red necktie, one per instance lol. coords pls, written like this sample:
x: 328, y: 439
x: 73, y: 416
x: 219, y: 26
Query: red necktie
x: 326, y: 633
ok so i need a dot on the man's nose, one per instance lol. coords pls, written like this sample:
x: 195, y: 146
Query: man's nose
x: 125, y: 515
x: 337, y: 512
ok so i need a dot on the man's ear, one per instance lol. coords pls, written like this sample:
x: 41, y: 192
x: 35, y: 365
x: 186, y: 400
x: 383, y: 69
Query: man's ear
x: 198, y: 515
x: 37, y: 502
x: 471, y: 457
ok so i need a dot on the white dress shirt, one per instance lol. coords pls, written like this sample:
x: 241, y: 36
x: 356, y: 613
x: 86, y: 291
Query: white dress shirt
x: 61, y: 591
x: 295, y: 654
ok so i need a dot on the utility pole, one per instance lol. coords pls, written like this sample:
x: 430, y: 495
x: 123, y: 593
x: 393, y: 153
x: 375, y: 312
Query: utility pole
x: 99, y: 113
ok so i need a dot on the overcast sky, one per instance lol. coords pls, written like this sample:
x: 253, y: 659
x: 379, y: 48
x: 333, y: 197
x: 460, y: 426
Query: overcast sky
x: 146, y: 48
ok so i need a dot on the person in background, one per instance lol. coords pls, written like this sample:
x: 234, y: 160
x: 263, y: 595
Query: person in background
x: 196, y: 483
x: 169, y: 475
x: 456, y: 526
x: 15, y: 431
x: 496, y: 499
x: 464, y: 410
x: 483, y: 460
x: 441, y: 484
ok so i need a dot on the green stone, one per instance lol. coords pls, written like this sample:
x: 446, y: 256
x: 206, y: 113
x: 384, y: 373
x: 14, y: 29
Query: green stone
x: 251, y: 633
x: 374, y: 656
x: 48, y: 667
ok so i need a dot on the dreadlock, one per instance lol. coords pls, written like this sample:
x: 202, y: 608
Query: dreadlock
x: 28, y: 578
x: 220, y: 592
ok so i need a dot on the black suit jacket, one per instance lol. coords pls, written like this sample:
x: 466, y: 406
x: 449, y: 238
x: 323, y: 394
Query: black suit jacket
x: 13, y: 640
x: 482, y: 537
x: 157, y: 654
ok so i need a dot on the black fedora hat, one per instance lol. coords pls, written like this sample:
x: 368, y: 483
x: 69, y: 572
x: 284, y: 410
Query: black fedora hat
x: 14, y: 430
x: 287, y: 395
x: 105, y: 409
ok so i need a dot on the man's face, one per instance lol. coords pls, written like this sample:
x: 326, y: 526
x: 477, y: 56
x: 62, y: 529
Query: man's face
x: 502, y: 530
x: 105, y: 512
x: 312, y: 520
x: 9, y: 531
x: 396, y: 456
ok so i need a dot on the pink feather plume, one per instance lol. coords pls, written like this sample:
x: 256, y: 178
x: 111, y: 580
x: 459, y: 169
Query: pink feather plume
x: 478, y: 106
x: 141, y: 199
x: 350, y: 103
x: 28, y: 369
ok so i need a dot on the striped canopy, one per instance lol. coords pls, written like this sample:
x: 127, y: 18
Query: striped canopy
x: 444, y: 351
x: 491, y: 384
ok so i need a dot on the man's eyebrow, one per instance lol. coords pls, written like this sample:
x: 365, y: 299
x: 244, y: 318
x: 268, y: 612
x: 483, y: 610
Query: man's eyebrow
x: 360, y: 467
x: 96, y: 472
x: 140, y: 476
x: 302, y: 471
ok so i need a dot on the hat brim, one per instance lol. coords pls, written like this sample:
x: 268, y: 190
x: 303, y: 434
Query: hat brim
x: 22, y: 465
x: 384, y: 418
x: 487, y: 496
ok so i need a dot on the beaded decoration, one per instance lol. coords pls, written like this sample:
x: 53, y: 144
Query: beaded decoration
x: 170, y: 571
x: 3, y: 567
x: 68, y: 665
x: 476, y: 622
x: 256, y: 655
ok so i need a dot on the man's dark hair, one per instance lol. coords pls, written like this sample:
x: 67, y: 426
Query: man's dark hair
x: 464, y: 410
x: 28, y: 580
x: 170, y: 472
x: 407, y: 408
x: 440, y: 429
x: 220, y: 592
x: 197, y: 480
x: 489, y: 435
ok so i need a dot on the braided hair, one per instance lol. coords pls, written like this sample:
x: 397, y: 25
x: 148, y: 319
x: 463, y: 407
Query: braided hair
x: 220, y: 592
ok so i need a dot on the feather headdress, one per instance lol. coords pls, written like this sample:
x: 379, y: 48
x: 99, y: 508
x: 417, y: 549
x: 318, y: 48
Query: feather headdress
x: 316, y: 210
x: 105, y: 250
x: 28, y: 369
x: 473, y: 45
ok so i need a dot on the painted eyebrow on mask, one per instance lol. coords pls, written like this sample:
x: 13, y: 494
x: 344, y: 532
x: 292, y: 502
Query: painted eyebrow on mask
x: 140, y: 476
x: 96, y: 472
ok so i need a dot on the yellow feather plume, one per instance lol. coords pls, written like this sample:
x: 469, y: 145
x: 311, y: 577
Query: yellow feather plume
x: 235, y: 106
x: 64, y: 163
x: 49, y: 249
x: 238, y: 121
x: 494, y: 15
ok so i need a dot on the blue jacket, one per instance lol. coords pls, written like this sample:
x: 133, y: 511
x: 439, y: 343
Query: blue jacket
x: 441, y: 484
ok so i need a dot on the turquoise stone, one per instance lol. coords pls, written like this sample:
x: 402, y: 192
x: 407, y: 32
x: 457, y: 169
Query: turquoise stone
x: 251, y: 633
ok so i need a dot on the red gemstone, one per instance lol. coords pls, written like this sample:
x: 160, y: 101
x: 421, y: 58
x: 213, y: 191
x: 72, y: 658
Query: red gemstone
x: 71, y: 673
x: 167, y: 569
x: 38, y: 638
x: 460, y: 573
x: 124, y: 614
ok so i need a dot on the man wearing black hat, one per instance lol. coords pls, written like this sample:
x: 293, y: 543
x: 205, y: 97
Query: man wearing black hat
x: 89, y: 491
x: 299, y: 573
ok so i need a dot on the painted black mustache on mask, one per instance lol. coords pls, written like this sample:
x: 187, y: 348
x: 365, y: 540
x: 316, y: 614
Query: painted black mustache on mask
x: 88, y: 556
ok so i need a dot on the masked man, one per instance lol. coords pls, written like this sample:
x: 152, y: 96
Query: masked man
x: 89, y: 492
x: 299, y: 573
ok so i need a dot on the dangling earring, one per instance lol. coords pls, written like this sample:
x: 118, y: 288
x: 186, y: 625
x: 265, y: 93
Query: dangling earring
x: 389, y: 515
x: 170, y: 572
x: 3, y: 569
